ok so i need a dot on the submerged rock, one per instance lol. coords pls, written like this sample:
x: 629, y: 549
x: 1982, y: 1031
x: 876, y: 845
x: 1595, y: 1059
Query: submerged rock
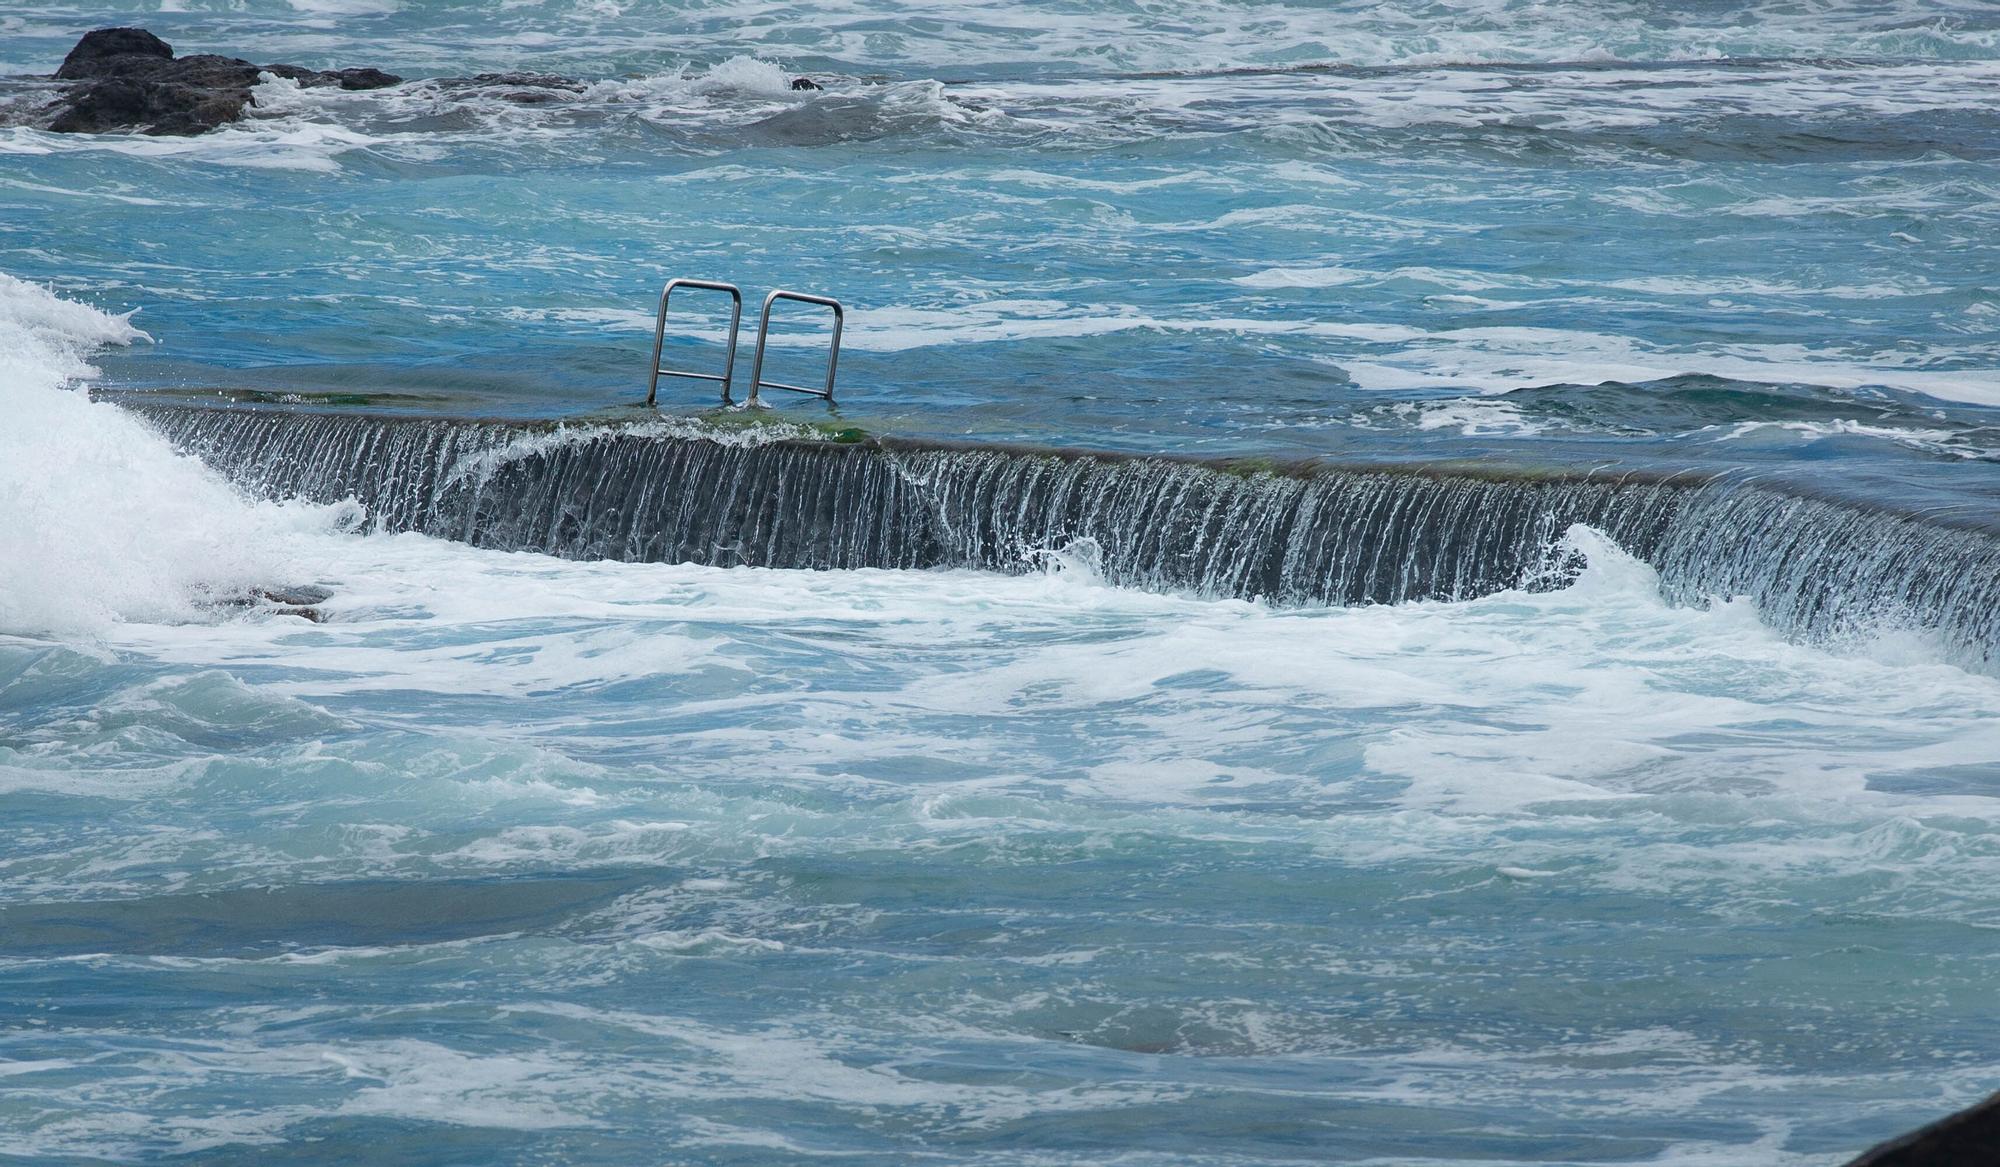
x: 302, y: 602
x: 129, y: 79
x: 303, y: 596
x: 519, y: 88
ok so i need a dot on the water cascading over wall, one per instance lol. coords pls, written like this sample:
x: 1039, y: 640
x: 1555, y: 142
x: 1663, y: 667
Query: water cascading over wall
x: 1819, y: 570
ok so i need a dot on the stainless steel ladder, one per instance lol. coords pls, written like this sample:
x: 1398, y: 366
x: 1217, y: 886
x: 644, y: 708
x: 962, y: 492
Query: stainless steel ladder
x: 757, y: 381
x: 660, y: 336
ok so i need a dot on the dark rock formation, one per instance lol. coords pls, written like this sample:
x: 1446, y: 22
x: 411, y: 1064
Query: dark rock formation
x: 150, y: 107
x: 804, y: 83
x: 129, y: 79
x: 1970, y: 1138
x: 98, y: 53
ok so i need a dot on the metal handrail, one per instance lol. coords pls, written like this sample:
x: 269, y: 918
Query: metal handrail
x: 757, y: 380
x: 735, y: 323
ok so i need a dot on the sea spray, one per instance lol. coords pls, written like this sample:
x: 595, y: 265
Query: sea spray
x: 100, y: 519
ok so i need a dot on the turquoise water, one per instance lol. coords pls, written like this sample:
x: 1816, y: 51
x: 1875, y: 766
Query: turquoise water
x: 525, y: 860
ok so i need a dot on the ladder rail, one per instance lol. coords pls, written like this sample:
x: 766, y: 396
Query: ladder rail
x: 735, y: 324
x: 757, y: 380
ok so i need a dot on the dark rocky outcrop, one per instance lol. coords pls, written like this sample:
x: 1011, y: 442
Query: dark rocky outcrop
x: 103, y: 52
x: 129, y: 79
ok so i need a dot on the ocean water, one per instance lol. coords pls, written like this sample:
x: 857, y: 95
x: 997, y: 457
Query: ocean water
x: 1681, y: 851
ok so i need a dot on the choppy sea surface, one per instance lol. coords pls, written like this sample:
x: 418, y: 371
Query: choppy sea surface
x: 522, y: 859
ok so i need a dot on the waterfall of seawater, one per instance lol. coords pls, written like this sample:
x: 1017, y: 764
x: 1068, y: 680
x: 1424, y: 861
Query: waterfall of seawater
x: 1819, y: 570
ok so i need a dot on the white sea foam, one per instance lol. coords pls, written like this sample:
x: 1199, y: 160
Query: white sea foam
x: 1472, y: 417
x: 571, y: 625
x: 1495, y: 360
x: 347, y: 7
x: 1301, y: 277
x: 99, y: 518
x: 747, y: 75
x: 1949, y: 443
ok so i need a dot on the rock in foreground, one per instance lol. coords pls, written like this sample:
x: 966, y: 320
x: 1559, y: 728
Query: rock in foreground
x: 1969, y: 1138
